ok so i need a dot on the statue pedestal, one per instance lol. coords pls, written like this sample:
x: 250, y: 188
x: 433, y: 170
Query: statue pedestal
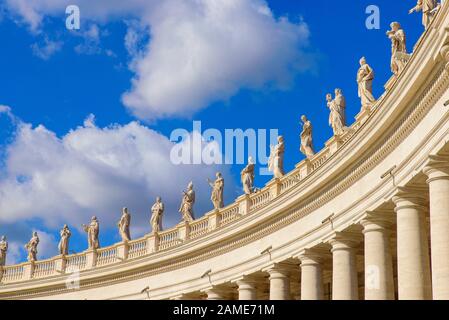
x: 334, y: 144
x: 275, y: 187
x: 363, y: 115
x: 214, y: 220
x: 60, y: 264
x: 122, y: 250
x: 184, y: 231
x: 153, y: 242
x: 305, y: 168
x: 244, y: 204
x: 389, y: 84
x: 28, y: 270
x: 91, y: 258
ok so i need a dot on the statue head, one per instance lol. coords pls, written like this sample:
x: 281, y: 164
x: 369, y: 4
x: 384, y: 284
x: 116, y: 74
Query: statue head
x: 328, y: 97
x: 362, y: 61
x: 250, y: 160
x: 218, y: 175
x: 65, y: 226
x: 158, y: 199
x: 35, y: 234
x: 338, y: 91
x: 3, y: 238
x: 125, y: 210
x: 190, y: 185
x: 94, y: 218
x: 280, y: 139
x: 395, y: 26
x: 303, y: 118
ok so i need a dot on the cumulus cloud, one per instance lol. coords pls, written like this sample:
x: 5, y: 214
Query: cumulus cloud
x: 96, y: 171
x: 199, y: 51
x: 46, y: 49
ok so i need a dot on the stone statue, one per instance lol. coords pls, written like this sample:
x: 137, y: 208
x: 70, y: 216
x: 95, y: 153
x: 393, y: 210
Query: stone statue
x: 306, y: 138
x: 247, y: 177
x: 337, y: 108
x: 276, y: 160
x: 63, y: 245
x: 31, y: 247
x: 93, y: 230
x: 217, y: 191
x: 399, y: 56
x: 157, y: 211
x: 123, y: 225
x: 3, y: 251
x: 427, y: 7
x: 365, y: 77
x: 188, y: 200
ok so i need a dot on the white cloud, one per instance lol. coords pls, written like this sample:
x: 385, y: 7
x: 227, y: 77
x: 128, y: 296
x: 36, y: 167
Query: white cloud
x: 95, y: 171
x: 199, y: 52
x: 46, y: 49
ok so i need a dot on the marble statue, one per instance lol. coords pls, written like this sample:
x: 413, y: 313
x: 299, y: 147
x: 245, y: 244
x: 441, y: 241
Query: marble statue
x: 3, y: 251
x: 93, y: 230
x: 399, y: 56
x: 157, y: 211
x: 188, y: 200
x: 427, y: 7
x: 63, y: 245
x: 337, y: 106
x: 123, y: 225
x: 276, y: 160
x: 217, y: 191
x: 306, y: 138
x: 31, y: 247
x: 365, y: 77
x: 247, y: 177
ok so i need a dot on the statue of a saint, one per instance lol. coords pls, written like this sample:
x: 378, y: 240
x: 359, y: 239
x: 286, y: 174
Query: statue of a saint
x: 3, y: 251
x: 123, y: 225
x: 337, y: 112
x: 63, y: 245
x: 31, y: 247
x: 306, y: 138
x: 93, y: 230
x: 217, y: 191
x: 247, y: 177
x: 365, y: 77
x: 188, y: 200
x: 276, y: 160
x: 157, y: 210
x: 428, y: 10
x: 399, y: 56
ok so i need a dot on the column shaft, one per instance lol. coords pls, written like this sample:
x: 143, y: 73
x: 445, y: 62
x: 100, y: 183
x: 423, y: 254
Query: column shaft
x: 311, y: 278
x: 279, y: 282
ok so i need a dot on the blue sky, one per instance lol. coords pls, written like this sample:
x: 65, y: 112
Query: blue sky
x: 56, y: 78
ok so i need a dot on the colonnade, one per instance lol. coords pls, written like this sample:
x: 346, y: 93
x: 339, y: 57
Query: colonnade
x: 400, y: 251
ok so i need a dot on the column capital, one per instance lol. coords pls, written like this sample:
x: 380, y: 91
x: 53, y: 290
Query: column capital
x: 410, y: 197
x: 437, y: 168
x: 377, y: 220
x: 312, y: 256
x: 247, y: 280
x: 216, y: 292
x: 279, y: 270
x: 344, y: 240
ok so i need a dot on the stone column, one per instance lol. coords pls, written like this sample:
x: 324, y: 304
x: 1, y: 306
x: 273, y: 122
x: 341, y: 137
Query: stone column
x: 412, y: 245
x: 344, y: 268
x: 279, y: 281
x: 247, y: 288
x: 311, y: 275
x: 379, y: 282
x: 438, y: 180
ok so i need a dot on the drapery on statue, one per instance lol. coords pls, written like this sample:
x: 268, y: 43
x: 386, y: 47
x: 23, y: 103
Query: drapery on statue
x: 63, y: 245
x: 157, y: 211
x: 399, y: 56
x: 123, y: 225
x: 93, y: 230
x: 188, y: 200
x: 427, y: 7
x: 365, y: 77
x: 247, y: 177
x: 31, y: 247
x: 3, y: 251
x: 306, y: 138
x: 217, y: 191
x: 276, y: 160
x: 337, y: 108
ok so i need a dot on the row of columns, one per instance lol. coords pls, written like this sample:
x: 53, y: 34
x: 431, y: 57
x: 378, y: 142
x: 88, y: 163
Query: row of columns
x: 422, y: 266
